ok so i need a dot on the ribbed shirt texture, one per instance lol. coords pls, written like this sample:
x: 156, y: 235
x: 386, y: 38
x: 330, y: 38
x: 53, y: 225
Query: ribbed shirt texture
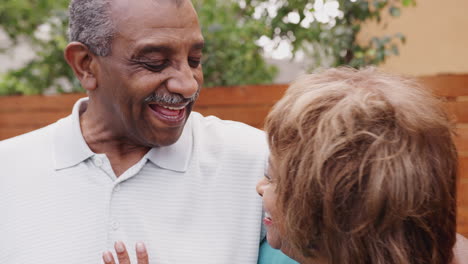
x: 191, y: 202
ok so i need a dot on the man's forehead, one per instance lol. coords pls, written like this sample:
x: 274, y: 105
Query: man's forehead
x: 177, y: 3
x: 158, y: 23
x: 121, y: 9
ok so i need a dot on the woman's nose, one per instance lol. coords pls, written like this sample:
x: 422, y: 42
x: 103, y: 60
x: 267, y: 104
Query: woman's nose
x: 260, y: 185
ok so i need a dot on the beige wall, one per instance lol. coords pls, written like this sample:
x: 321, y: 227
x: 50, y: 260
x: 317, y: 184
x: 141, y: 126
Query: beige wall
x: 437, y: 38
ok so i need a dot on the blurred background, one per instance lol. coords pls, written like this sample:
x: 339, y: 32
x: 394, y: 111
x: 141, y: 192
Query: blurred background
x: 254, y: 48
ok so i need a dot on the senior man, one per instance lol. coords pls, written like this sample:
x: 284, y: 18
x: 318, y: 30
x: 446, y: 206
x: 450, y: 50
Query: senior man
x: 131, y: 162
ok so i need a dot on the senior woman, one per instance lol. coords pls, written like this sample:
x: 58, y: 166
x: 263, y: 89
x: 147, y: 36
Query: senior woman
x: 362, y: 169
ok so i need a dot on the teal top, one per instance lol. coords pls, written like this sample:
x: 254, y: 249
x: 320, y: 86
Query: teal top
x: 269, y: 255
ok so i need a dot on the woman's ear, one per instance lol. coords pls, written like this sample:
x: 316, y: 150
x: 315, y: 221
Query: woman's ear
x: 82, y: 61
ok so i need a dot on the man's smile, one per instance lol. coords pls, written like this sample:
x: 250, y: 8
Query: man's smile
x: 172, y: 115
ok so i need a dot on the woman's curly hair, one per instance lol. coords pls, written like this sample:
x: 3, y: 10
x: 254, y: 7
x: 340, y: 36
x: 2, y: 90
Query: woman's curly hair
x: 365, y: 167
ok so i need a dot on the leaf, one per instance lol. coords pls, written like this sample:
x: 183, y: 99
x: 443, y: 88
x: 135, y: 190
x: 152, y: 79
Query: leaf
x: 395, y: 11
x: 385, y: 40
x: 401, y: 37
x: 395, y: 50
x: 409, y: 2
x: 379, y: 4
x: 359, y: 54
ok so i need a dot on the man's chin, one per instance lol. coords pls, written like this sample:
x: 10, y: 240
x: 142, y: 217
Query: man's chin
x: 165, y: 138
x: 160, y: 134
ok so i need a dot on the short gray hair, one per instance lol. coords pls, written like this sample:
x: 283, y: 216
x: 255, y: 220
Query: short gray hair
x: 91, y: 24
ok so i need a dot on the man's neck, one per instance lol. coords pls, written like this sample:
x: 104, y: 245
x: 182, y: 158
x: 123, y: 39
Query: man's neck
x: 102, y: 138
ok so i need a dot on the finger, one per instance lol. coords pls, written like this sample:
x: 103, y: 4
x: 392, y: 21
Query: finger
x: 122, y: 254
x: 108, y: 258
x: 142, y: 254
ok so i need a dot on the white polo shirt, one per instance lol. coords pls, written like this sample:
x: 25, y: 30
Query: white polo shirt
x: 191, y: 202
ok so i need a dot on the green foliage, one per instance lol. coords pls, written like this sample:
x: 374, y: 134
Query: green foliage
x: 20, y: 19
x: 334, y: 43
x: 231, y: 56
x: 24, y: 16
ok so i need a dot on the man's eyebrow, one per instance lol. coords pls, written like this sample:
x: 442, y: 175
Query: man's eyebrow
x: 152, y: 49
x: 163, y: 49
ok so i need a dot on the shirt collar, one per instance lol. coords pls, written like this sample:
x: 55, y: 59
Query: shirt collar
x: 175, y: 157
x: 71, y: 148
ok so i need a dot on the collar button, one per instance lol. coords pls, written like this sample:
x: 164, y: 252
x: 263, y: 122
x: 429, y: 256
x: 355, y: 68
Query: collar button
x: 97, y: 161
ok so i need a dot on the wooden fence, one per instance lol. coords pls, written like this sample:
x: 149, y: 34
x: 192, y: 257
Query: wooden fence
x: 249, y: 104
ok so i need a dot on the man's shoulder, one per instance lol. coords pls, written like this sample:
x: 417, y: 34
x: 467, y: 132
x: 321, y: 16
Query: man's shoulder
x: 28, y: 142
x: 212, y: 125
x: 26, y: 155
x: 214, y: 135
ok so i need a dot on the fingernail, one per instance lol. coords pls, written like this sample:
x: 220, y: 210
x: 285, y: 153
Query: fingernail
x: 140, y: 247
x: 119, y: 247
x: 107, y: 256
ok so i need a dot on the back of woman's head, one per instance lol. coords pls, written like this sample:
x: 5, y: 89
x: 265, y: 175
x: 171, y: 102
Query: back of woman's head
x: 365, y: 169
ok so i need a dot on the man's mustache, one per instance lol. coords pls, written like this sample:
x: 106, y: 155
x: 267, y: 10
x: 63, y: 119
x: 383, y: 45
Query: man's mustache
x: 171, y: 98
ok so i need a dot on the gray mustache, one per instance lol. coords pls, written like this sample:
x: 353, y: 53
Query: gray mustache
x: 171, y: 98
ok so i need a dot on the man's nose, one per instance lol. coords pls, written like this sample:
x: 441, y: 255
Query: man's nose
x: 183, y: 81
x: 260, y: 186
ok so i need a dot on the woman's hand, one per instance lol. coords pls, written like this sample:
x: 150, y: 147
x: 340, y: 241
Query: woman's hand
x: 122, y: 254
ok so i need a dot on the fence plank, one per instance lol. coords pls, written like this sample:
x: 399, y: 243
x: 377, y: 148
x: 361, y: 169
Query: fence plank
x: 462, y: 220
x: 241, y: 95
x: 458, y: 109
x: 463, y: 165
x: 462, y: 191
x: 31, y: 118
x: 447, y: 85
x: 64, y: 102
x: 462, y: 138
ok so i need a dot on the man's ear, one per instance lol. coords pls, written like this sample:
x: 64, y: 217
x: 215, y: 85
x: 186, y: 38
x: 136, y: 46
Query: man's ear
x: 83, y: 63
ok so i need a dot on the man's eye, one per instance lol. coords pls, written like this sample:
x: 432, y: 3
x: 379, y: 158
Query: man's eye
x: 156, y: 67
x: 194, y: 62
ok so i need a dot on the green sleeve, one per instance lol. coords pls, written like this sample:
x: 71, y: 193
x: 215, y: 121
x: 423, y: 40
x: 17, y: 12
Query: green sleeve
x: 269, y: 255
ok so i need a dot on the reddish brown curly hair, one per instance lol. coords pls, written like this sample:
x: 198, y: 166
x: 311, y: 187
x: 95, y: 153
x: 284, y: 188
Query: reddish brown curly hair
x: 365, y: 167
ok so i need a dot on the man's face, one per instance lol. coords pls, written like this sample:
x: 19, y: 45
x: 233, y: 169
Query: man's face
x: 148, y: 84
